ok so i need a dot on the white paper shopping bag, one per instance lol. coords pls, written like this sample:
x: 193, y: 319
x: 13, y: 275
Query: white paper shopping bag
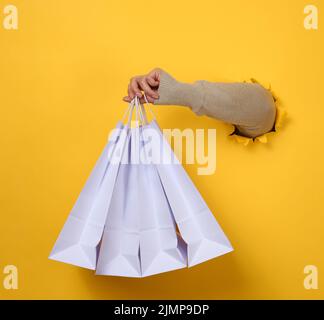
x: 161, y: 249
x: 79, y: 239
x: 197, y: 225
x: 119, y: 250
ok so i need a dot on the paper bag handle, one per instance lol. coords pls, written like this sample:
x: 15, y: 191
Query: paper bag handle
x: 140, y: 113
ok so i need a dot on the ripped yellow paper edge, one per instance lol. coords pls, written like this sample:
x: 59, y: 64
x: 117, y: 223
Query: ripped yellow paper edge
x: 280, y: 116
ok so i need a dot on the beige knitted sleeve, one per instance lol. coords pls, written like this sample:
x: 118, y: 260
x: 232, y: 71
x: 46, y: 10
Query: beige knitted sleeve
x: 248, y: 106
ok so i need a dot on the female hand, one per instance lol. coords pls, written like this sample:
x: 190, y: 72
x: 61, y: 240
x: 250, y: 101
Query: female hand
x: 148, y: 83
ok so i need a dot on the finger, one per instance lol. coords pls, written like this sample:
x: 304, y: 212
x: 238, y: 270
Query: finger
x: 155, y: 74
x: 152, y: 82
x: 127, y: 99
x: 135, y: 87
x: 153, y: 77
x: 130, y: 92
x: 149, y: 99
x: 147, y: 89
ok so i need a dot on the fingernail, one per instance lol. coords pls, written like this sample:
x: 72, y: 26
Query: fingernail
x: 139, y: 95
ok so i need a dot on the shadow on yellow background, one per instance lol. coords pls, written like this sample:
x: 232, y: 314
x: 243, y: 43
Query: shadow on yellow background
x: 63, y: 74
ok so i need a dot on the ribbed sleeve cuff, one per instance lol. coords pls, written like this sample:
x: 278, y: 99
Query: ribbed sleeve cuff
x: 173, y: 92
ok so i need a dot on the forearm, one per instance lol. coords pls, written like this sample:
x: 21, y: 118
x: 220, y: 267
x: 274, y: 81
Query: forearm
x: 248, y: 106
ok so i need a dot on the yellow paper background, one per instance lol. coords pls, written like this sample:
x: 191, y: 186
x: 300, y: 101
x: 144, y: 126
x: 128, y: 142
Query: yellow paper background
x: 63, y: 74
